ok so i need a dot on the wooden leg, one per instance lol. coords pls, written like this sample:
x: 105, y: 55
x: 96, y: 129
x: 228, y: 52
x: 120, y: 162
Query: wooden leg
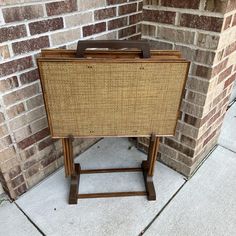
x: 75, y: 171
x: 70, y: 169
x: 152, y: 153
x: 149, y: 165
x: 151, y: 194
x: 68, y: 156
x: 74, y: 185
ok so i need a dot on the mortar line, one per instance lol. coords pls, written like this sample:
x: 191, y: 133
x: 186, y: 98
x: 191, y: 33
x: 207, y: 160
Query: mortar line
x: 162, y: 209
x: 31, y: 221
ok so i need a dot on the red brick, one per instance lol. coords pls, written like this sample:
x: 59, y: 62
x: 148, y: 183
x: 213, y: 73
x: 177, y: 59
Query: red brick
x: 32, y: 170
x: 224, y: 102
x: 227, y: 22
x: 20, y: 94
x: 208, y: 116
x: 3, y: 130
x: 45, y: 143
x: 230, y: 49
x: 5, y: 142
x: 160, y: 45
x: 167, y: 17
x: 22, y: 13
x: 223, y: 75
x: 30, y: 45
x: 127, y: 31
x: 113, y: 2
x: 27, y: 153
x: 134, y: 19
x: 208, y: 23
x: 201, y: 71
x: 143, y: 140
x: 127, y: 9
x: 207, y: 41
x: 16, y: 170
x: 17, y: 181
x: 216, y: 6
x: 34, y: 115
x: 234, y: 20
x: 140, y: 6
x: 8, y: 84
x: 230, y: 80
x: 231, y: 5
x: 42, y: 134
x: 4, y: 52
x: 34, y: 102
x: 185, y: 159
x: 117, y: 23
x: 204, y: 57
x: 138, y: 28
x: 214, y: 118
x: 197, y: 85
x: 57, y: 8
x: 191, y: 120
x: 148, y: 30
x: 192, y: 109
x: 29, y: 77
x: 104, y: 13
x: 188, y: 141
x: 135, y: 37
x: 43, y: 26
x: 20, y: 190
x: 29, y: 163
x: 15, y: 66
x: 15, y: 110
x: 192, y: 4
x: 2, y: 118
x: 13, y: 32
x: 178, y: 146
x: 204, y: 136
x: 218, y: 98
x: 94, y: 29
x: 210, y: 137
x: 220, y: 67
x: 33, y: 138
x: 220, y: 55
x: 22, y: 132
x: 47, y: 161
x: 187, y: 52
x: 196, y: 98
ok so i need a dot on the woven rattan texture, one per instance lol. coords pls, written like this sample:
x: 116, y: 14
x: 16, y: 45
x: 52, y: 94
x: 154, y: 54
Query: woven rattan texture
x: 112, y: 99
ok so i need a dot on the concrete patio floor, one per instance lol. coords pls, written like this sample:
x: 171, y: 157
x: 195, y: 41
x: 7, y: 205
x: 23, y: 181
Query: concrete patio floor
x: 203, y: 205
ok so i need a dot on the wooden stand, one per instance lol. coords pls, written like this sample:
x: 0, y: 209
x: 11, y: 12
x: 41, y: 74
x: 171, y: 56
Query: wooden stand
x: 74, y: 170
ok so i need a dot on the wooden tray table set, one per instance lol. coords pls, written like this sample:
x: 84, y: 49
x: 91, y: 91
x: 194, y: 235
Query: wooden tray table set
x: 112, y: 93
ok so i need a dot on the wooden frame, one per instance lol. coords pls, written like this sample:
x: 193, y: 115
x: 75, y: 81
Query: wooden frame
x: 83, y: 58
x: 67, y: 126
x: 147, y: 167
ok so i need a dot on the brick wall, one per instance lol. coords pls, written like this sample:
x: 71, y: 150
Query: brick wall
x: 27, y: 152
x: 205, y: 32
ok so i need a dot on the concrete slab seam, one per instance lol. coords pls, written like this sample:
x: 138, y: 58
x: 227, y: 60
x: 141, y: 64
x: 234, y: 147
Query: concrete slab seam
x: 162, y: 209
x: 28, y: 218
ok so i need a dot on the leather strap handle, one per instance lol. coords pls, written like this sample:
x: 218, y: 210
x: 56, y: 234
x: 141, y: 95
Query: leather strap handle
x: 113, y: 44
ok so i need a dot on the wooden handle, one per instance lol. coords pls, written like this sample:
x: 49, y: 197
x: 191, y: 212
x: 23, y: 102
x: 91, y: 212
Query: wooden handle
x: 113, y: 44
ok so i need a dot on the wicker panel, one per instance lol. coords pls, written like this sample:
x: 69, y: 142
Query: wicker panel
x: 112, y: 99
